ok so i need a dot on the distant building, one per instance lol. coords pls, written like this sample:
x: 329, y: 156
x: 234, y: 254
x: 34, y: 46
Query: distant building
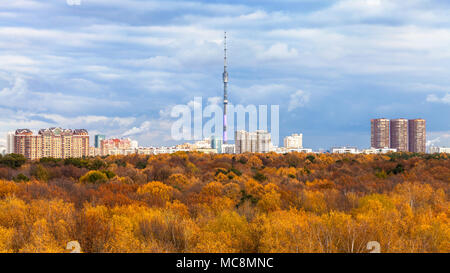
x: 185, y: 146
x: 202, y: 144
x: 228, y: 148
x: 417, y: 135
x: 399, y: 134
x: 94, y: 151
x: 115, y: 146
x: 345, y: 150
x: 98, y: 140
x: 380, y: 133
x: 159, y: 150
x: 52, y: 142
x: 263, y: 141
x: 379, y: 151
x: 216, y: 143
x: 283, y: 150
x: 10, y: 142
x: 252, y: 142
x: 206, y: 150
x: 134, y: 144
x: 439, y: 150
x: 28, y: 144
x: 241, y: 143
x: 294, y: 141
x: 300, y: 150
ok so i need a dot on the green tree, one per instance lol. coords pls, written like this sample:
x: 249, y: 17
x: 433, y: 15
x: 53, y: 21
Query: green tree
x: 13, y: 160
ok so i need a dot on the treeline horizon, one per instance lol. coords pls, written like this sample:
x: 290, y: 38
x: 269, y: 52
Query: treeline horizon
x: 247, y: 203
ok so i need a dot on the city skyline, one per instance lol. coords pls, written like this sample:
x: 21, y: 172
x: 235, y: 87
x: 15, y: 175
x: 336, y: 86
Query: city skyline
x: 330, y: 72
x: 400, y: 134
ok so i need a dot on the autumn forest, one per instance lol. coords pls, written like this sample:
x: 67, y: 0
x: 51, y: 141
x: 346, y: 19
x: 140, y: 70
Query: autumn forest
x: 249, y: 203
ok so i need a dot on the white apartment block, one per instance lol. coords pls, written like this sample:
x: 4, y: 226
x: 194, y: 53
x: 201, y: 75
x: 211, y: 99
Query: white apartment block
x: 283, y: 150
x: 252, y: 142
x: 300, y: 150
x: 379, y: 151
x: 345, y: 150
x: 294, y: 141
x: 354, y: 150
x: 10, y: 142
x: 203, y: 144
x: 134, y: 144
x: 439, y: 150
x: 228, y: 148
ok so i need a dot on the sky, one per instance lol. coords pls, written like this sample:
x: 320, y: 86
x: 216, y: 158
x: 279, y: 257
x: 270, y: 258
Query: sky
x: 118, y: 67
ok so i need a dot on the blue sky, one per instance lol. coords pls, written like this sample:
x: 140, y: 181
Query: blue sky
x: 118, y: 66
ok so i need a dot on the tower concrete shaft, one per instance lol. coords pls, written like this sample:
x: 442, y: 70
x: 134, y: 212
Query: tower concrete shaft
x: 225, y: 91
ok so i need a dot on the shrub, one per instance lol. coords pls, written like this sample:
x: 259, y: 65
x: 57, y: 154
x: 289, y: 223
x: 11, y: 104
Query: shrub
x: 50, y: 160
x: 260, y: 177
x: 109, y: 174
x: 94, y: 177
x: 398, y: 169
x: 311, y: 158
x: 40, y: 173
x: 141, y: 165
x: 96, y: 164
x: 21, y: 178
x: 237, y: 172
x: 381, y: 174
x: 220, y: 170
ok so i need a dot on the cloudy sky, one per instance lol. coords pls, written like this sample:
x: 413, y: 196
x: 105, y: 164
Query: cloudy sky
x: 119, y: 66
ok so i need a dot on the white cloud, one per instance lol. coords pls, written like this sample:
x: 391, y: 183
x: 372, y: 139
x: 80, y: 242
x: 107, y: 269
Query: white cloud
x: 167, y: 5
x: 279, y: 51
x: 157, y: 62
x: 215, y: 100
x: 152, y: 132
x: 298, y: 99
x: 91, y: 121
x: 195, y: 104
x: 19, y: 96
x: 439, y: 139
x: 261, y: 90
x: 145, y: 126
x: 433, y: 98
x: 257, y: 15
x: 434, y: 141
x: 22, y: 4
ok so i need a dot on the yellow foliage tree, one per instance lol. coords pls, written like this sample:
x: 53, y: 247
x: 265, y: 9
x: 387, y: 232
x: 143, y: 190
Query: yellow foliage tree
x: 156, y: 192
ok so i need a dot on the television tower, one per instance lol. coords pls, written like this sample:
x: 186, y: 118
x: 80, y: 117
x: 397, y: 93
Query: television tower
x: 225, y: 87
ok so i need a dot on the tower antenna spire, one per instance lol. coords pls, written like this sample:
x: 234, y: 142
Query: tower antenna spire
x: 225, y: 89
x: 225, y: 49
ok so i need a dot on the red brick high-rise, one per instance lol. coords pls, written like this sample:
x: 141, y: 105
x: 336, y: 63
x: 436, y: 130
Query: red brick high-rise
x: 399, y: 135
x: 417, y: 135
x: 380, y: 133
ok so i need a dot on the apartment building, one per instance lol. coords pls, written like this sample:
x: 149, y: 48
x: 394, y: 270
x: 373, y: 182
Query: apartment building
x: 52, y: 142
